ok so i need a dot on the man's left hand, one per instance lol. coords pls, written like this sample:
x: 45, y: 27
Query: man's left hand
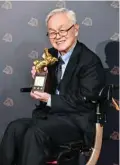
x: 42, y: 96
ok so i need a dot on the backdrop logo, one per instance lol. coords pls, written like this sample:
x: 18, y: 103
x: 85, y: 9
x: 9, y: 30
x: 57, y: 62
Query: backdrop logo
x: 8, y: 70
x: 115, y: 37
x: 33, y: 22
x: 87, y: 21
x: 61, y: 4
x: 7, y: 37
x: 8, y: 102
x: 115, y: 70
x: 114, y: 136
x: 7, y: 5
x: 33, y: 54
x: 115, y: 4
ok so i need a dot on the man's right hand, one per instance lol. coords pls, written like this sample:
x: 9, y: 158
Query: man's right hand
x: 33, y: 71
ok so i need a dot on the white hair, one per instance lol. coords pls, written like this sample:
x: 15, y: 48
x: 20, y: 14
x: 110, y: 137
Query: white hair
x: 71, y: 14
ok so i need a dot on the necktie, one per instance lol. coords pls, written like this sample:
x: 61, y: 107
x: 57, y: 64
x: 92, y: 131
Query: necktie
x: 59, y: 70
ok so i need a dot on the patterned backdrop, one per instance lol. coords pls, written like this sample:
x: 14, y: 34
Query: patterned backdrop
x: 23, y: 38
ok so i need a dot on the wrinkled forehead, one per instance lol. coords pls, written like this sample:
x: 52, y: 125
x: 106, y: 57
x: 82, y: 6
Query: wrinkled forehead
x: 58, y: 21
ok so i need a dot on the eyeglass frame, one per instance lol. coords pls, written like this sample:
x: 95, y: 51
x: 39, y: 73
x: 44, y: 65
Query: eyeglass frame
x: 67, y: 30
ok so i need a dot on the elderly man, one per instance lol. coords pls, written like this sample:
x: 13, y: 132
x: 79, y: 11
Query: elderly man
x: 68, y: 116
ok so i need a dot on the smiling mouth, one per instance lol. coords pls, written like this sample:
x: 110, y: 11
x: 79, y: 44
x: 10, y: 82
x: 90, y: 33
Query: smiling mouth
x: 60, y: 42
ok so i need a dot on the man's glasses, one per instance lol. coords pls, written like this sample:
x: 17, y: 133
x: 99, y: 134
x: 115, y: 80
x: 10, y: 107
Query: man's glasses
x: 61, y: 33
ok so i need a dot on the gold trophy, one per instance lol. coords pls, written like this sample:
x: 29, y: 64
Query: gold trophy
x: 41, y: 75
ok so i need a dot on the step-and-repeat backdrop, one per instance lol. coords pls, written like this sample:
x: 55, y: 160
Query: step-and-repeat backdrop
x: 22, y: 40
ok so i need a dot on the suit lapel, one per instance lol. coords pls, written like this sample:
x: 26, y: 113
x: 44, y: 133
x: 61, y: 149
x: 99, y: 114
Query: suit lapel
x: 73, y: 61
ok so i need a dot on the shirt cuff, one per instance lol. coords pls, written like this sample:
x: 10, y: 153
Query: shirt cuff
x: 49, y: 102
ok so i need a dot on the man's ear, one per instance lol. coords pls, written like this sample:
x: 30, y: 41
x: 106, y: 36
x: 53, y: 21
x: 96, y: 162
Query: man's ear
x: 76, y: 30
x: 76, y: 34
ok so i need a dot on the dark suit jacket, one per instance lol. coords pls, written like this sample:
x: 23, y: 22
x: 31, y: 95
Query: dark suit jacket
x: 84, y: 76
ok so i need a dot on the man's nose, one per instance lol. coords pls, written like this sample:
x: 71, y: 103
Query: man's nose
x: 58, y: 35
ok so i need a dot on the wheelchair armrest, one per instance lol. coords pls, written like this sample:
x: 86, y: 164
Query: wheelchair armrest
x: 105, y: 94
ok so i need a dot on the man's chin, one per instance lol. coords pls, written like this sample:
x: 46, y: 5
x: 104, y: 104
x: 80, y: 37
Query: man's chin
x: 61, y: 49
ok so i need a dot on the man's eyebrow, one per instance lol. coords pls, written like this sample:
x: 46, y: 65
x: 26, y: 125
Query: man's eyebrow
x: 62, y: 26
x: 51, y: 29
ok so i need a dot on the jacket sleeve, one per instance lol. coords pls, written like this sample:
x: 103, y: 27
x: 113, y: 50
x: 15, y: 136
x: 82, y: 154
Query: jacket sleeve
x: 91, y: 79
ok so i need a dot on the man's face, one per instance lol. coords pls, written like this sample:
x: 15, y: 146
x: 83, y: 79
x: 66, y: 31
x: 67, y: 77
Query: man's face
x: 60, y: 23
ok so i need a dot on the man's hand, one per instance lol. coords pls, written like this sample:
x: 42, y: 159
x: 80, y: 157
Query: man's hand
x: 33, y: 71
x: 42, y: 96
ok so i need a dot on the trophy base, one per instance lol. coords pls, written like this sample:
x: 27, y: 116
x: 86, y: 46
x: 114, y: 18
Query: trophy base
x: 40, y: 82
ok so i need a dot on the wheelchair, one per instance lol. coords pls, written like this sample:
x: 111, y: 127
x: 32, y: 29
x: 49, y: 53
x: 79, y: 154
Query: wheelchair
x: 74, y: 153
